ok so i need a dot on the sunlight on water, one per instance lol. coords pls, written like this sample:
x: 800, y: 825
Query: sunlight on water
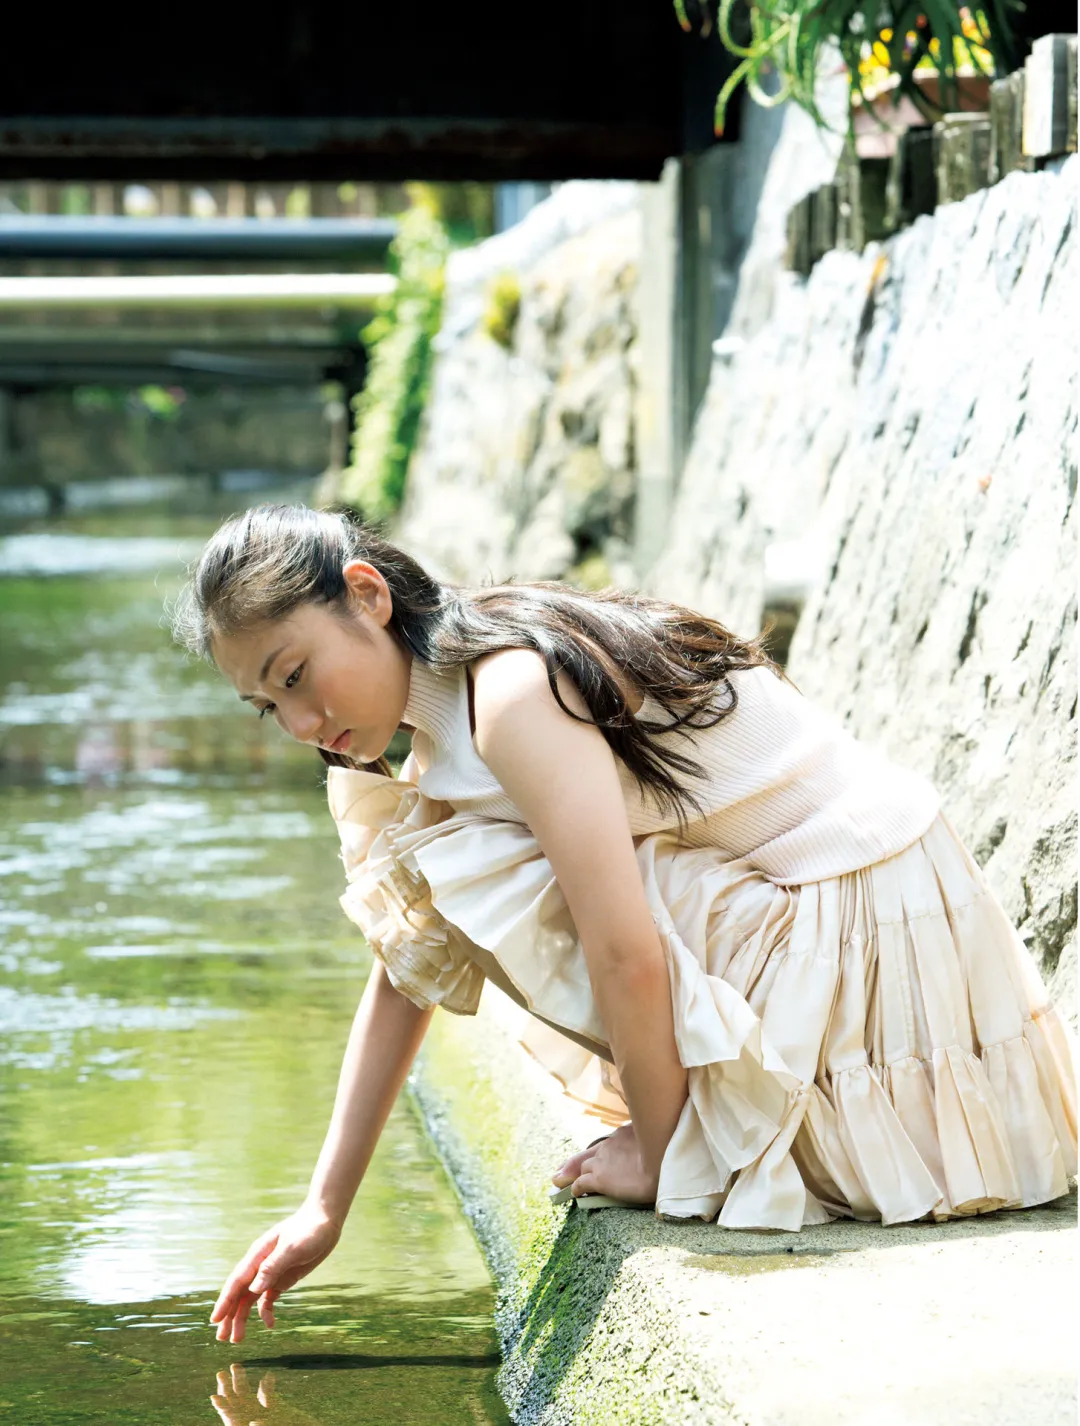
x: 176, y: 986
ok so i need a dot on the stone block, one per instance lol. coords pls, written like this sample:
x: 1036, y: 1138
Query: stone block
x: 961, y: 155
x: 861, y: 185
x: 798, y: 257
x: 873, y: 185
x: 822, y: 221
x: 1050, y: 97
x: 1007, y: 126
x: 911, y: 184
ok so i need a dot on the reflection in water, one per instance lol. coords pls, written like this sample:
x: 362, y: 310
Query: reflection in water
x: 176, y: 985
x: 237, y: 1403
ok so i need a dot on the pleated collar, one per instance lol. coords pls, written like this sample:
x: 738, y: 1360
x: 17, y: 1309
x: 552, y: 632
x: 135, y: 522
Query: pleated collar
x: 437, y: 702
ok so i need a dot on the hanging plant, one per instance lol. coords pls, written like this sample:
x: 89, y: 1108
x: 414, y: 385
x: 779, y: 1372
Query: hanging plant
x: 399, y: 341
x: 877, y: 41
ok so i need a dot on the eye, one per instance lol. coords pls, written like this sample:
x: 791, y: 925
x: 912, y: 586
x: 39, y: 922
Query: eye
x: 290, y: 682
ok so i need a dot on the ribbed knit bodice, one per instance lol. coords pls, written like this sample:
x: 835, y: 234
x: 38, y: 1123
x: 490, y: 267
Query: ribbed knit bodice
x: 787, y: 786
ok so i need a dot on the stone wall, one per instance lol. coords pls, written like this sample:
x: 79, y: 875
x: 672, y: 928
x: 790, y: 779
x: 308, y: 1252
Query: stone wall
x: 526, y: 462
x: 900, y: 437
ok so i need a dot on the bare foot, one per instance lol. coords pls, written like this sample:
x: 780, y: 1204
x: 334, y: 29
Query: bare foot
x: 613, y: 1166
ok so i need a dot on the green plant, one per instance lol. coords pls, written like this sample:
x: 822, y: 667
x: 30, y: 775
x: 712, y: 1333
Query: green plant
x: 873, y: 39
x: 161, y: 402
x: 466, y: 210
x: 399, y: 338
x: 501, y: 308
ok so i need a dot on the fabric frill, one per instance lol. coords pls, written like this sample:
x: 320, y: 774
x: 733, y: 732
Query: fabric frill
x: 878, y: 1045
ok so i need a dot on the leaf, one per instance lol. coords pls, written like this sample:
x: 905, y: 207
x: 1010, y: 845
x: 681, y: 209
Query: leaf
x: 794, y: 36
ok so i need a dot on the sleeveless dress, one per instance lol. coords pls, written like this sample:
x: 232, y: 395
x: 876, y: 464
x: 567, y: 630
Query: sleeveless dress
x: 865, y: 1034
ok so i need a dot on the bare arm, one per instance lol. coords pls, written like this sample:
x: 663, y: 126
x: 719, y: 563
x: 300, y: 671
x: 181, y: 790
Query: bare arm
x: 563, y: 777
x: 386, y: 1034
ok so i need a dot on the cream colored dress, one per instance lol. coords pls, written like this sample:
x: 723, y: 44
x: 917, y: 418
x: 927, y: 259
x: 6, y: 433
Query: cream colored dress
x: 864, y: 1031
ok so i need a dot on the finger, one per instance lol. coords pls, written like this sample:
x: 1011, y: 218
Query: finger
x: 222, y: 1384
x: 234, y: 1284
x: 568, y: 1171
x: 239, y: 1378
x: 239, y: 1322
x: 225, y: 1327
x: 220, y: 1406
x: 585, y: 1183
x: 224, y: 1330
x: 272, y: 1267
x: 245, y: 1269
x: 231, y: 1293
x: 266, y: 1309
x: 289, y: 1278
x: 266, y: 1391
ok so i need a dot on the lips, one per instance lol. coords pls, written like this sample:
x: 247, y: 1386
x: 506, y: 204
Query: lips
x: 341, y: 743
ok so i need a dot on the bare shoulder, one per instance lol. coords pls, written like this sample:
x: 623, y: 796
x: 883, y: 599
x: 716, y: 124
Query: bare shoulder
x: 517, y: 680
x: 562, y: 777
x: 518, y: 723
x: 558, y: 770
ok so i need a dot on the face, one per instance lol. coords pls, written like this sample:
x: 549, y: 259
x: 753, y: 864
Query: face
x: 332, y: 678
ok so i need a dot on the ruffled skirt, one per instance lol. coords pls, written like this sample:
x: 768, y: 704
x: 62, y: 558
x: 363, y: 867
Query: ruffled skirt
x: 878, y: 1045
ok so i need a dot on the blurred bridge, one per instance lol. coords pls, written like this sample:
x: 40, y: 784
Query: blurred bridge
x: 126, y: 301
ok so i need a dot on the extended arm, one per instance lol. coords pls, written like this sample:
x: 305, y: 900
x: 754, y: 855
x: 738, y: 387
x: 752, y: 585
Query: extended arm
x: 563, y: 777
x: 386, y: 1034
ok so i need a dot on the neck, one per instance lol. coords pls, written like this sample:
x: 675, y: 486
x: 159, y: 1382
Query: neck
x: 433, y: 699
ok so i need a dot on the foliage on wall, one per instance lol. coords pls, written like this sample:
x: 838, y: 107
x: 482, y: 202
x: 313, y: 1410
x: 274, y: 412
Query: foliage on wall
x: 502, y: 304
x: 399, y: 338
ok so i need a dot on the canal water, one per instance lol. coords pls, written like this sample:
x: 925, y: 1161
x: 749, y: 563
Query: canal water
x: 176, y: 987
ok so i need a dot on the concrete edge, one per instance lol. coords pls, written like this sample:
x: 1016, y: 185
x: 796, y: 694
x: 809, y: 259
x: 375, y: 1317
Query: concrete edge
x: 607, y: 1317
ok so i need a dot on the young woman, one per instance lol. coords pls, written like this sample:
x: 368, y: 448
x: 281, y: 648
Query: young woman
x: 737, y: 927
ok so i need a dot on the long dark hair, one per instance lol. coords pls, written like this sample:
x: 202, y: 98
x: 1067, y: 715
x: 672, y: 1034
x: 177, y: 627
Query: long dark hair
x: 264, y: 563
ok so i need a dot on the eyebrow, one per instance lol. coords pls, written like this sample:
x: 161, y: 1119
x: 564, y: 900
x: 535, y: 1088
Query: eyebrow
x: 249, y: 697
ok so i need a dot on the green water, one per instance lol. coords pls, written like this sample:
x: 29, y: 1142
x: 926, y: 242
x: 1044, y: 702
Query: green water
x: 176, y: 987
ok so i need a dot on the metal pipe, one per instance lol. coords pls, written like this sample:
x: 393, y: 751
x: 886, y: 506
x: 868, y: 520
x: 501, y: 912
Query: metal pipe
x: 272, y: 289
x: 132, y: 239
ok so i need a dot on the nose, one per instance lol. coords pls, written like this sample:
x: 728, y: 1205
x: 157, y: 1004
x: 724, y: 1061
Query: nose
x: 301, y: 723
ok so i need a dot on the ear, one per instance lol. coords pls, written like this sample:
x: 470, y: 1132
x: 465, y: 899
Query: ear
x: 369, y: 592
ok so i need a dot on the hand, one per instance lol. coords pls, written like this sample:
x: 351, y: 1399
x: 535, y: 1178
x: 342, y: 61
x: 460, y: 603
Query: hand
x: 612, y: 1166
x: 238, y: 1405
x: 281, y: 1257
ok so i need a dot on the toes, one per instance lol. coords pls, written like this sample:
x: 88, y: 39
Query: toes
x: 567, y: 1172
